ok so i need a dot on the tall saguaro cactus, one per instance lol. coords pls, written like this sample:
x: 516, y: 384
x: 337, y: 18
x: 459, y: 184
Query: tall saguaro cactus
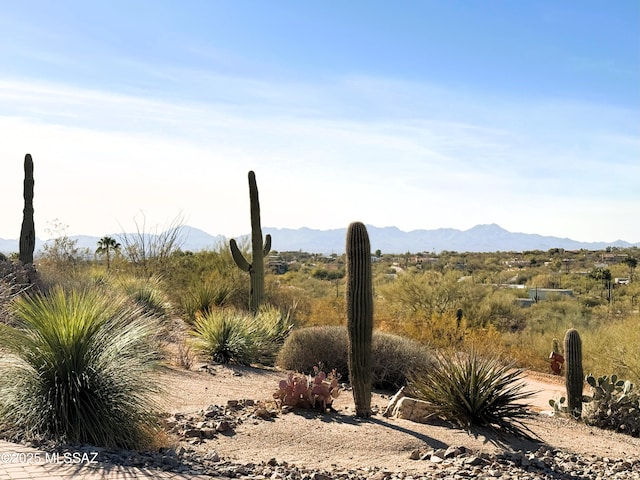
x: 28, y: 230
x: 359, y: 316
x: 258, y: 249
x: 574, y: 375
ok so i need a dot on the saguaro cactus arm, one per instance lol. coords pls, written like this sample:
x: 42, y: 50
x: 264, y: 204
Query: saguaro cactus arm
x: 241, y: 262
x: 258, y: 249
x: 28, y: 231
x: 267, y: 245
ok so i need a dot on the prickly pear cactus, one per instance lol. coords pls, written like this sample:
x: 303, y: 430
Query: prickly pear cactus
x: 359, y: 316
x: 28, y: 230
x: 258, y: 249
x: 574, y: 375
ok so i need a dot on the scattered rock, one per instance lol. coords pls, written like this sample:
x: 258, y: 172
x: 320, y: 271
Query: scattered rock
x: 411, y: 409
x: 454, y: 462
x: 204, y: 425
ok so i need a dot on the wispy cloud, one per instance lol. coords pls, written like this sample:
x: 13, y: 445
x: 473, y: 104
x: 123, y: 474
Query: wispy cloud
x: 384, y: 151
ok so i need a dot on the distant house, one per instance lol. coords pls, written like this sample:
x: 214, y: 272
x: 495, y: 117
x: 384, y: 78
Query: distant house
x: 276, y: 264
x: 421, y: 260
x: 614, y: 257
x: 517, y: 263
x: 538, y: 294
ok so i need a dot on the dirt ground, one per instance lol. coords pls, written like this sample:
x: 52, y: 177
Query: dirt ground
x: 339, y: 439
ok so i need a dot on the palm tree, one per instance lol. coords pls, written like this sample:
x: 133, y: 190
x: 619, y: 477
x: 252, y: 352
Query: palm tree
x: 105, y: 246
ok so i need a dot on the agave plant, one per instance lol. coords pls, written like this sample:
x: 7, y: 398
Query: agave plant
x: 475, y: 391
x: 78, y: 369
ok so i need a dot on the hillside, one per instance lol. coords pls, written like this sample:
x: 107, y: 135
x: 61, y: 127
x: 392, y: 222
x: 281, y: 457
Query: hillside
x: 481, y: 238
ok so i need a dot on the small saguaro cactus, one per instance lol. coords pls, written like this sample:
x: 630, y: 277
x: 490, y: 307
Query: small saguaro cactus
x: 258, y: 249
x: 574, y: 375
x: 28, y: 230
x: 359, y: 316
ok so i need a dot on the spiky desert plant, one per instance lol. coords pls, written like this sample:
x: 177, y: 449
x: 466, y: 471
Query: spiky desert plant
x: 258, y: 249
x: 206, y: 296
x: 225, y: 336
x: 234, y: 336
x: 359, y: 316
x: 574, y: 374
x: 474, y: 391
x: 146, y: 292
x: 78, y: 367
x: 28, y: 230
x: 269, y: 329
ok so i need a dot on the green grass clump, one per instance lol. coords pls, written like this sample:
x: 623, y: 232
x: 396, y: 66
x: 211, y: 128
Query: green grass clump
x: 147, y: 293
x: 232, y: 336
x: 393, y: 357
x: 224, y: 336
x: 474, y: 391
x: 77, y: 369
x: 205, y: 297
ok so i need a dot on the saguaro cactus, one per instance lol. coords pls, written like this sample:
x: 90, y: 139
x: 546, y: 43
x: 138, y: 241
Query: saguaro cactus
x: 359, y: 315
x: 574, y: 376
x: 28, y: 230
x: 258, y: 249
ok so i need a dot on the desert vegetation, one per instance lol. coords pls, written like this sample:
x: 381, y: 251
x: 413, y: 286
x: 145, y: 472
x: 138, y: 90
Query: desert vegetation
x: 80, y: 341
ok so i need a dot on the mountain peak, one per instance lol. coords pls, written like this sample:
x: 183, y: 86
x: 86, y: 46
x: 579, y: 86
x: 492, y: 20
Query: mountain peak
x: 481, y: 238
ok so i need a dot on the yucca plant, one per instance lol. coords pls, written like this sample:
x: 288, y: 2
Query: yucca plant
x: 240, y: 337
x: 148, y: 293
x: 205, y: 297
x: 77, y: 368
x: 225, y: 336
x: 269, y: 329
x: 475, y: 391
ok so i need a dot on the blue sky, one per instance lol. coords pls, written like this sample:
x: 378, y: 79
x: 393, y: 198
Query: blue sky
x: 418, y: 114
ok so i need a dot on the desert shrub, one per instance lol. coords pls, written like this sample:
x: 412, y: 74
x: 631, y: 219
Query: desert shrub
x: 308, y: 347
x: 9, y: 287
x: 614, y: 405
x: 146, y: 292
x: 613, y: 347
x: 78, y: 369
x: 271, y: 327
x: 239, y: 337
x: 15, y: 279
x: 394, y: 357
x: 224, y: 336
x: 204, y: 297
x: 184, y: 357
x: 474, y: 391
x: 326, y: 311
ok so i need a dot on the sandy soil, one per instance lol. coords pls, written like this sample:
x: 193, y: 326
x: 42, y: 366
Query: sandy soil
x: 325, y: 440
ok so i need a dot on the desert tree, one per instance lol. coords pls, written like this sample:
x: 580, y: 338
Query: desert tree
x: 106, y: 245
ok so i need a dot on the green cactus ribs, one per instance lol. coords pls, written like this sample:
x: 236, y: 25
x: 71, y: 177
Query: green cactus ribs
x: 259, y: 250
x: 359, y: 316
x: 28, y: 230
x: 574, y: 375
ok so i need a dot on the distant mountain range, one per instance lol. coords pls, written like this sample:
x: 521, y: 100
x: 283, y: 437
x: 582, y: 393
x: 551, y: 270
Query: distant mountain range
x: 481, y: 238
